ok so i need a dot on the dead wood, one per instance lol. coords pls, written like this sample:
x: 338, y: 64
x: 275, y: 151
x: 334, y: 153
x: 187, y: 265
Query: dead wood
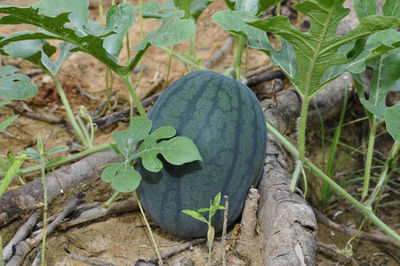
x: 41, y: 116
x: 248, y: 224
x: 287, y: 223
x: 178, y: 248
x: 220, y: 53
x: 373, y: 237
x: 265, y: 77
x: 28, y: 197
x: 23, y: 248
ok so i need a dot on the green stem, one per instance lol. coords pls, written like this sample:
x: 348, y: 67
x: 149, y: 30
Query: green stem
x: 238, y: 48
x: 183, y: 59
x: 193, y: 46
x: 1, y: 252
x: 295, y: 176
x: 368, y: 162
x: 385, y: 174
x: 68, y: 109
x: 112, y: 199
x: 366, y: 210
x: 169, y: 69
x: 136, y: 100
x: 67, y: 159
x: 149, y: 228
x: 43, y: 172
x: 301, y: 132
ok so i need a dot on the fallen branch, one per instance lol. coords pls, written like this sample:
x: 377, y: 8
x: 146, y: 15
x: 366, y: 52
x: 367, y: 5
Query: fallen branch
x: 265, y: 77
x: 178, y: 249
x: 377, y: 237
x: 220, y: 53
x: 88, y: 260
x: 24, y: 247
x: 100, y: 212
x: 115, y: 117
x: 44, y: 117
x: 334, y: 252
x: 26, y: 198
x: 21, y: 235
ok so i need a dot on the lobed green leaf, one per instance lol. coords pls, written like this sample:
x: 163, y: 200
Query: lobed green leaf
x: 123, y: 177
x: 392, y: 121
x: 15, y: 86
x: 318, y: 50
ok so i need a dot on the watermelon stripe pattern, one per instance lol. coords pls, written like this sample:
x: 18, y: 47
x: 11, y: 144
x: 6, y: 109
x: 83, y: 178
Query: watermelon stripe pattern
x: 225, y: 120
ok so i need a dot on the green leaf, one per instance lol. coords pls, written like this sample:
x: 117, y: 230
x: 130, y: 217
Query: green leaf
x: 56, y: 149
x: 168, y: 34
x: 210, y: 235
x: 197, y: 7
x: 138, y: 129
x: 7, y: 122
x: 266, y: 4
x: 123, y: 177
x: 391, y: 8
x: 230, y: 4
x: 318, y: 50
x: 78, y: 12
x: 235, y: 22
x: 11, y: 173
x: 184, y: 5
x: 195, y: 215
x: 119, y: 20
x: 15, y: 86
x: 164, y: 12
x: 2, y: 103
x: 364, y: 8
x: 217, y: 199
x: 250, y: 6
x: 178, y: 150
x: 60, y: 26
x: 31, y: 153
x: 203, y: 210
x: 386, y: 77
x: 392, y: 121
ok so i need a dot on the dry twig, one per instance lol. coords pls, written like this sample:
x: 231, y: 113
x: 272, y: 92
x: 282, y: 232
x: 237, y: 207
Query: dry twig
x: 178, y: 249
x: 352, y: 231
x: 220, y: 53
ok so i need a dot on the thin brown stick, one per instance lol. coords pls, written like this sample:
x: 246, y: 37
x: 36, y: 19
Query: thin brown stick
x: 23, y: 248
x: 220, y: 53
x: 44, y: 117
x: 259, y: 70
x: 223, y: 240
x: 85, y: 259
x: 21, y: 234
x: 352, y: 231
x: 333, y: 251
x: 178, y: 249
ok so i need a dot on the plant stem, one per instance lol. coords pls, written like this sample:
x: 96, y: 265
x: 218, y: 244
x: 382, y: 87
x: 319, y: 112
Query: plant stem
x: 301, y: 141
x: 69, y: 158
x: 238, y: 48
x: 1, y: 252
x: 136, y: 100
x: 112, y: 199
x: 385, y: 174
x: 68, y: 109
x: 168, y: 69
x: 368, y: 161
x: 183, y: 59
x: 148, y: 227
x: 366, y: 210
x: 45, y: 205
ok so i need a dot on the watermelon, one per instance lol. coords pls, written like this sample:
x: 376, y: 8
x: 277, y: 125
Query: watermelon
x: 224, y: 119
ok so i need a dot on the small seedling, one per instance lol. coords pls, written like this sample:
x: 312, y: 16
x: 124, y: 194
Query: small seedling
x: 214, y: 207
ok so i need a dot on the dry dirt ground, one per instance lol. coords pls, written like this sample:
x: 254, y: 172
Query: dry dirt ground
x: 123, y: 239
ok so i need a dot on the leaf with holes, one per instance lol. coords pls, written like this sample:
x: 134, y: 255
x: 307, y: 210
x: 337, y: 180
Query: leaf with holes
x: 15, y: 86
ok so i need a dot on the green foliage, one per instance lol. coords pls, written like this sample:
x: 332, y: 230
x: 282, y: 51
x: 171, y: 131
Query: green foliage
x: 176, y: 150
x: 393, y: 121
x: 16, y: 165
x: 318, y: 50
x: 214, y: 207
x: 15, y: 86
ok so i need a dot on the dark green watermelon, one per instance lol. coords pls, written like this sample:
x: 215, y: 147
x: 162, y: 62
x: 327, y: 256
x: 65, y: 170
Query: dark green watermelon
x: 225, y: 120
